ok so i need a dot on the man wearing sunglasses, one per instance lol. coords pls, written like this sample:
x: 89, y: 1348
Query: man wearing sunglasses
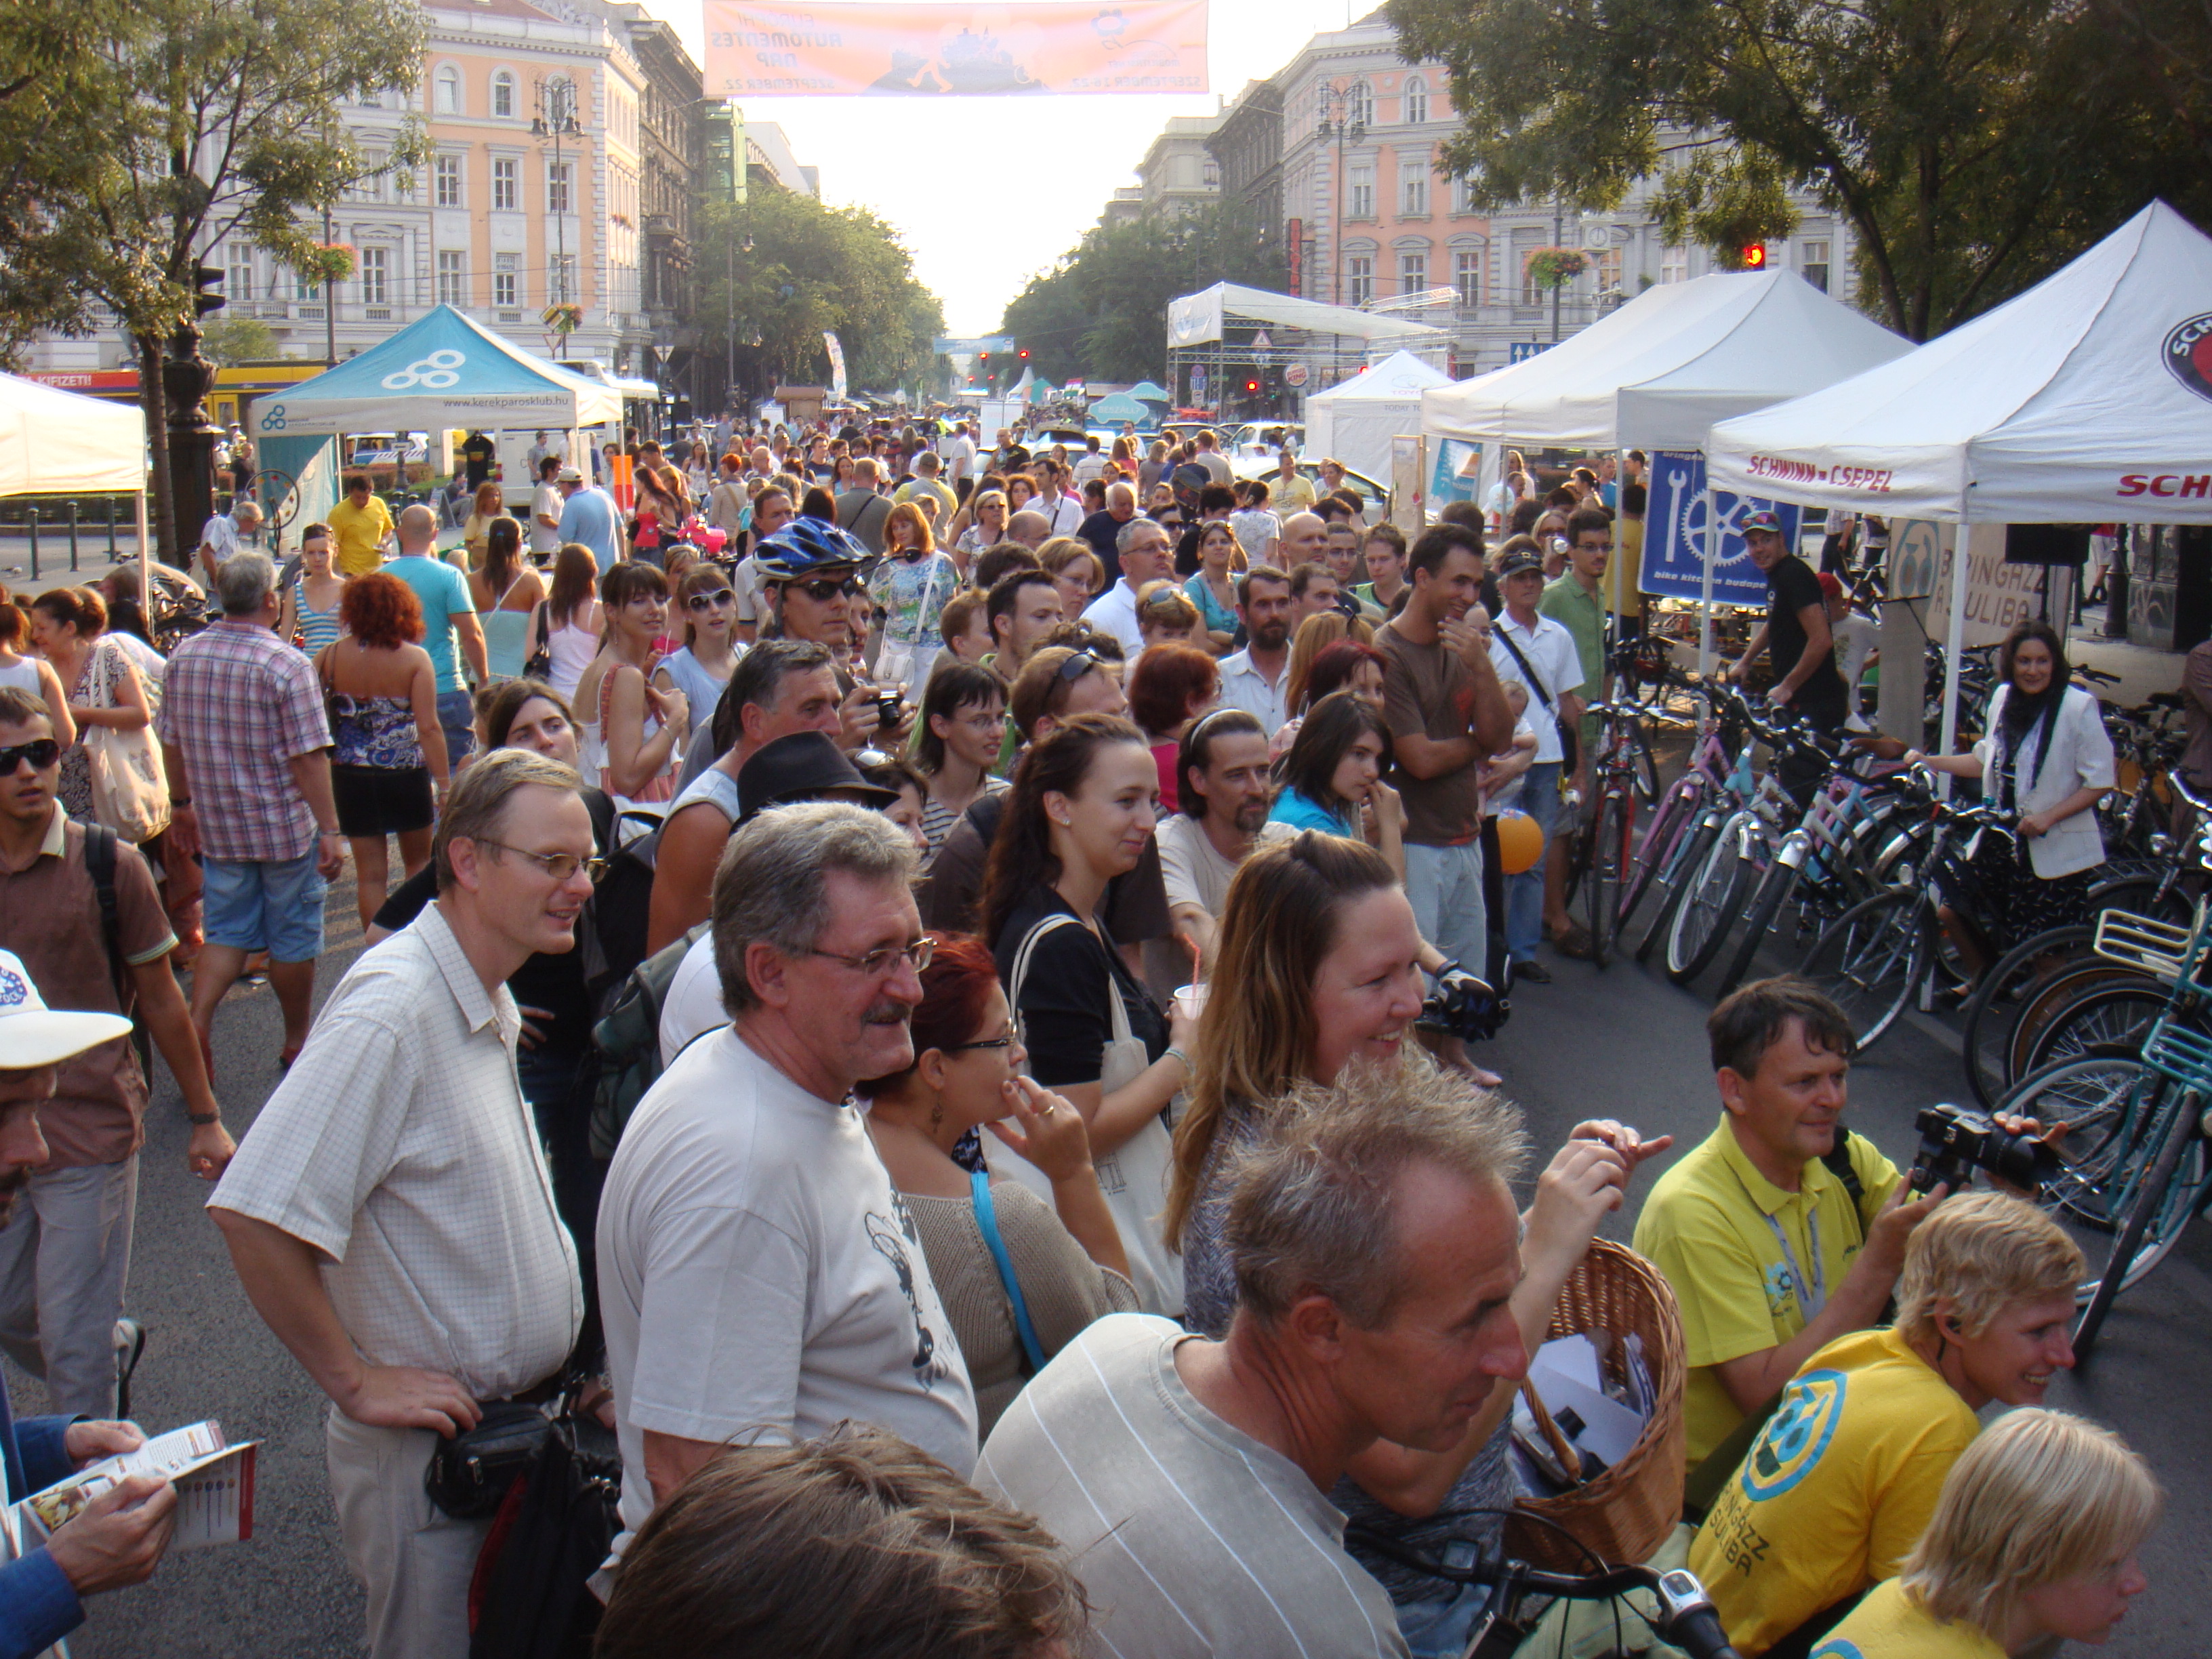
x: 390, y: 1213
x: 758, y: 1277
x: 64, y: 1256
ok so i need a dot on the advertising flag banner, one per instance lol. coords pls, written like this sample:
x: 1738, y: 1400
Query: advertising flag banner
x: 868, y: 48
x: 836, y: 364
x: 1675, y: 531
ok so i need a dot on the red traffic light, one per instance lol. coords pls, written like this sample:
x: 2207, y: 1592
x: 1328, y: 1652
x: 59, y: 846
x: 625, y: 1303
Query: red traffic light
x: 1251, y: 385
x: 985, y: 356
x: 1024, y: 354
x: 1754, y: 256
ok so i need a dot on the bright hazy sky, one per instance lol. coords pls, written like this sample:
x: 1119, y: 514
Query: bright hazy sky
x: 964, y: 179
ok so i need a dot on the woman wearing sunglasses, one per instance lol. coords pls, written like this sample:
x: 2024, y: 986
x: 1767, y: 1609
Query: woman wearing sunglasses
x: 707, y: 610
x: 1080, y: 812
x: 1018, y: 1277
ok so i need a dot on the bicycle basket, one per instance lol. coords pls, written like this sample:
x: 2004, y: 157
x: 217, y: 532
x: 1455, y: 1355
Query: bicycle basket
x: 2161, y: 949
x: 1627, y: 1512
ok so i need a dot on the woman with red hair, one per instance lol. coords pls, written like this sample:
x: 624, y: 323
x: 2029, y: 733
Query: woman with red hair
x: 1017, y: 1280
x: 388, y: 767
x: 1170, y: 686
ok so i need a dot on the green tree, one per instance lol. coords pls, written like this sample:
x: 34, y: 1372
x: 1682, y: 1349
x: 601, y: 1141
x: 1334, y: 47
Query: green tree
x: 1105, y: 305
x: 240, y: 340
x: 193, y: 123
x: 1972, y: 145
x: 778, y: 270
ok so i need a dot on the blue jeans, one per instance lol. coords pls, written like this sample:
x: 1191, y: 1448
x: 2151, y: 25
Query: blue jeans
x: 1441, y: 1626
x: 274, y: 905
x: 457, y: 718
x: 1524, y: 893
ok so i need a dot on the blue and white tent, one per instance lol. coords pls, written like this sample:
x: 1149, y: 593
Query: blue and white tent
x: 442, y: 372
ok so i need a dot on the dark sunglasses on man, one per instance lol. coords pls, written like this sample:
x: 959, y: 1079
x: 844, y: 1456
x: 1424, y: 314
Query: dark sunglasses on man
x: 41, y: 752
x: 823, y: 589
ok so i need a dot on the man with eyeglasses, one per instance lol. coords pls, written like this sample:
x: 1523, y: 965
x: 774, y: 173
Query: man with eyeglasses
x: 1141, y: 546
x: 390, y: 1213
x: 759, y: 1279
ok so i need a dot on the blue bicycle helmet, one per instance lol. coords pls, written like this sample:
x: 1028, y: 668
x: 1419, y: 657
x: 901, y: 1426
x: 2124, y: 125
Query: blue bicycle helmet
x: 808, y: 547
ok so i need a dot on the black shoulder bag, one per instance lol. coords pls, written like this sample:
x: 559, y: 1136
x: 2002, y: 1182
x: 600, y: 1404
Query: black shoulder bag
x: 1570, y: 738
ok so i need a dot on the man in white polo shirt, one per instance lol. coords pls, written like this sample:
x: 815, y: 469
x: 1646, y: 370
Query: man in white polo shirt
x: 1146, y: 555
x: 1538, y: 651
x: 1188, y: 1481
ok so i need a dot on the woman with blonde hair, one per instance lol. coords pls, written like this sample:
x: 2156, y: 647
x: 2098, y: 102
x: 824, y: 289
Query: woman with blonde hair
x: 507, y: 588
x: 69, y: 625
x: 490, y: 504
x: 706, y: 612
x: 2034, y: 1541
x: 1075, y: 571
x: 988, y: 528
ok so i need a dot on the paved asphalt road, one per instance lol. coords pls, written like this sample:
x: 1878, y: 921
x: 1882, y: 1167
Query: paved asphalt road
x: 1623, y: 1043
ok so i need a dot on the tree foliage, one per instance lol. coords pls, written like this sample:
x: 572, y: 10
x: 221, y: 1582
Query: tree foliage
x: 1972, y: 145
x: 781, y: 269
x: 1102, y: 312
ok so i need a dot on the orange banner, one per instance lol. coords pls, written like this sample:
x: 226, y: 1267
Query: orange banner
x: 882, y: 49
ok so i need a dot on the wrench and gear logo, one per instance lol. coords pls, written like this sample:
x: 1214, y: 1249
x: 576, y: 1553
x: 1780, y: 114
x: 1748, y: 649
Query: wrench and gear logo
x: 438, y: 371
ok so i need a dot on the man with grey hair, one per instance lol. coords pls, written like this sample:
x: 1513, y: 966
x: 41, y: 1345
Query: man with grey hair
x: 449, y: 613
x: 226, y: 534
x: 1376, y: 1248
x: 390, y: 1212
x: 246, y: 748
x: 759, y: 1277
x: 1146, y: 555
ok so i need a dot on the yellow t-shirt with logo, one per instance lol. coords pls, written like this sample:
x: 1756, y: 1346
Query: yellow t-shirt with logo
x: 1891, y: 1625
x: 360, y: 532
x: 1706, y: 1226
x: 1836, y: 1491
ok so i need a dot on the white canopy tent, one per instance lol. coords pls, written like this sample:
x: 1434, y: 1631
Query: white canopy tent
x: 2086, y: 399
x: 1657, y: 373
x: 59, y: 443
x: 1355, y: 422
x: 1198, y: 318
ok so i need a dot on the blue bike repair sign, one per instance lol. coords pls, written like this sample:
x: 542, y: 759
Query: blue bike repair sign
x: 1674, y: 532
x: 1452, y: 477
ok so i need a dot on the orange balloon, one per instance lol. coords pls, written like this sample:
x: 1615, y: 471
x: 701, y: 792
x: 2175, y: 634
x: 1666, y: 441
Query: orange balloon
x: 1520, y: 843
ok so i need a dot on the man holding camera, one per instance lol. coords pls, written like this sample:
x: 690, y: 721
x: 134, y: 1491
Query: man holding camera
x: 1784, y: 1231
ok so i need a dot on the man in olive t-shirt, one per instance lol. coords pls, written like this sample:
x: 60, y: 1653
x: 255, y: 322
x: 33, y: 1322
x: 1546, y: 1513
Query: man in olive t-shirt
x: 1447, y: 713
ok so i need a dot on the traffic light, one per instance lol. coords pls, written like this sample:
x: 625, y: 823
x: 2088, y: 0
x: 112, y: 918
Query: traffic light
x: 1752, y: 257
x: 1251, y: 385
x: 1024, y: 354
x: 203, y: 278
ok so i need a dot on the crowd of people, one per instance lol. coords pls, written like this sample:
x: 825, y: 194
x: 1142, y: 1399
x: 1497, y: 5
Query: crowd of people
x: 1028, y: 1208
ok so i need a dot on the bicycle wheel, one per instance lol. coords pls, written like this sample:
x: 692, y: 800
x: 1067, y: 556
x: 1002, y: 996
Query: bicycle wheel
x: 2108, y: 1021
x: 1712, y: 898
x: 1687, y: 858
x: 2118, y: 1113
x: 1663, y: 836
x: 1871, y: 958
x: 1647, y: 764
x: 1995, y: 1007
x: 1774, y: 890
x: 2051, y: 998
x: 1609, y: 854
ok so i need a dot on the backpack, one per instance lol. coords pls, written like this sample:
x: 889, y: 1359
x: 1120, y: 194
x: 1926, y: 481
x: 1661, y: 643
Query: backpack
x: 628, y: 1038
x: 528, y: 1597
x: 621, y: 907
x: 100, y: 855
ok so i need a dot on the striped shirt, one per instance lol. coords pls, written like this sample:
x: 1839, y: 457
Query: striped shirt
x: 1192, y: 1538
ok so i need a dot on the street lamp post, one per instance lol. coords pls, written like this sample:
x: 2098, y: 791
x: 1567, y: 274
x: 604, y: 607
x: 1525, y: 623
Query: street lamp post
x: 555, y: 119
x: 1342, y: 128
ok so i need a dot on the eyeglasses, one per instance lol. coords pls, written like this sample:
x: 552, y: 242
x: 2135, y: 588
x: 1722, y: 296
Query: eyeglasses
x: 879, y: 960
x: 712, y: 601
x: 559, y: 866
x: 1005, y: 1041
x: 41, y: 752
x: 823, y: 589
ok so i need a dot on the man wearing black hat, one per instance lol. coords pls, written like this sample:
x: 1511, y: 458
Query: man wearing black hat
x: 1797, y: 640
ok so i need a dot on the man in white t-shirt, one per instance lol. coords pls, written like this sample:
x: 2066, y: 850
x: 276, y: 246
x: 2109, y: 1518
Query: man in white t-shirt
x: 1538, y: 651
x: 545, y: 507
x: 1375, y: 1247
x: 1224, y: 790
x: 1147, y: 556
x: 1858, y: 640
x: 759, y: 1277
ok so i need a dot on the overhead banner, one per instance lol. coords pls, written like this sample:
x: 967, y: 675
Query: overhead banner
x: 844, y: 50
x: 1675, y: 531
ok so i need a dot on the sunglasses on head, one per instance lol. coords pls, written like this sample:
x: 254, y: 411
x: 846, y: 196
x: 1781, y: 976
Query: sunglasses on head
x: 41, y: 752
x: 823, y: 589
x: 1078, y: 665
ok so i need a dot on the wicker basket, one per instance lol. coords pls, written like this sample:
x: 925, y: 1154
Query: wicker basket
x: 1625, y: 1514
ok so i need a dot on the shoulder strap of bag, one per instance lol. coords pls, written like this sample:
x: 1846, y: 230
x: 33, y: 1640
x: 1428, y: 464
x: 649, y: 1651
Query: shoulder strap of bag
x: 1044, y: 925
x: 1837, y: 1157
x: 987, y: 1222
x: 99, y: 845
x: 1535, y: 683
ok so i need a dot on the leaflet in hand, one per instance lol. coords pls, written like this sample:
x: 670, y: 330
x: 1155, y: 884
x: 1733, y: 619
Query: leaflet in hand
x: 214, y: 1482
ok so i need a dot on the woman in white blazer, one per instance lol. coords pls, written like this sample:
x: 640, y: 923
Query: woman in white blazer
x: 2047, y: 757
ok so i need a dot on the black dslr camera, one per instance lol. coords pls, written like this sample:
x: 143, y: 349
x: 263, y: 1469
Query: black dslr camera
x: 1464, y: 1006
x: 1955, y: 1141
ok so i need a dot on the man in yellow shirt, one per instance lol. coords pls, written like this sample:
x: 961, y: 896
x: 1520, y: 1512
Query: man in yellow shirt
x: 1783, y: 1231
x: 361, y: 524
x: 1844, y: 1477
x: 1290, y: 490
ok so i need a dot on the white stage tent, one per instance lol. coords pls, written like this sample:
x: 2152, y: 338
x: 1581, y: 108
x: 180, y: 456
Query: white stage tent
x: 1198, y: 318
x: 1657, y: 373
x: 1355, y: 422
x: 56, y: 442
x: 2086, y: 400
x: 443, y: 373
